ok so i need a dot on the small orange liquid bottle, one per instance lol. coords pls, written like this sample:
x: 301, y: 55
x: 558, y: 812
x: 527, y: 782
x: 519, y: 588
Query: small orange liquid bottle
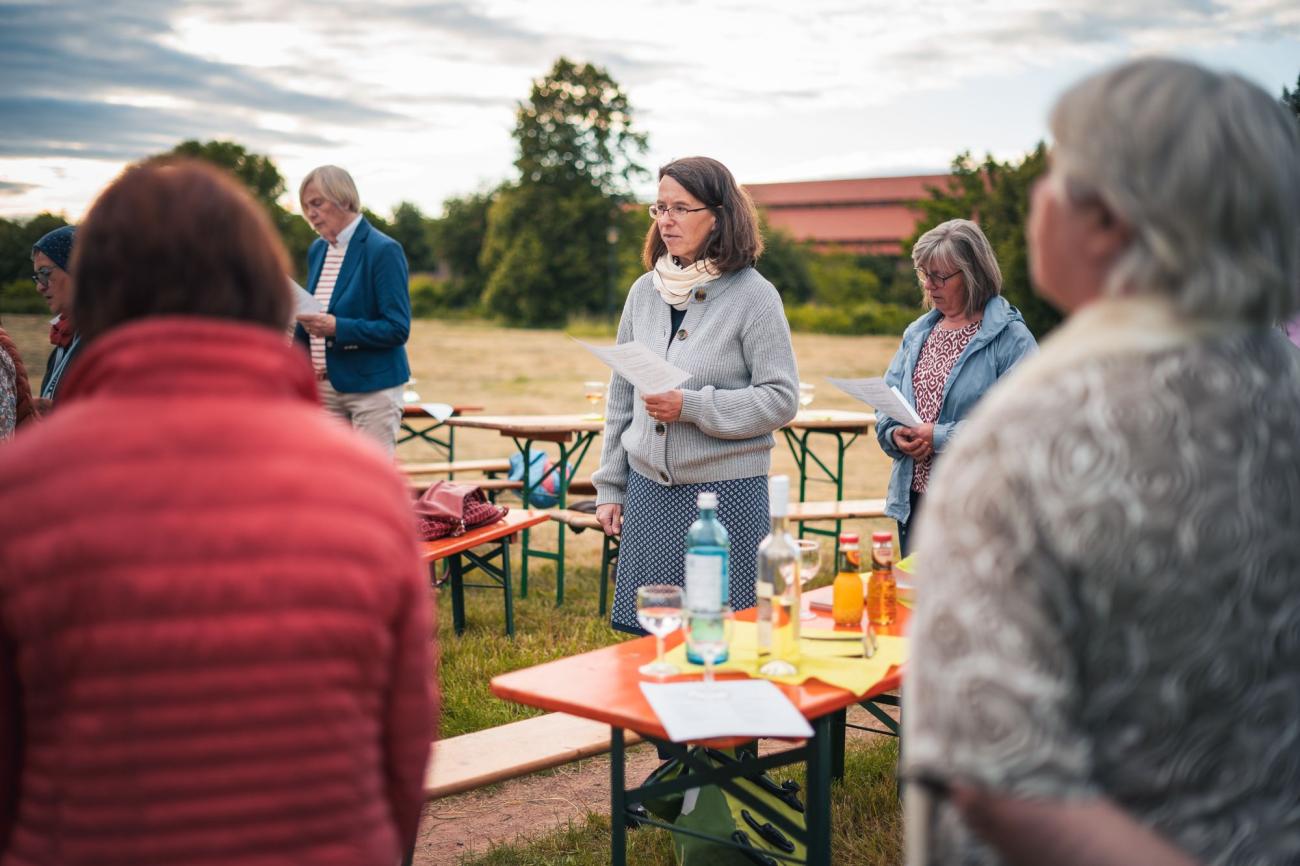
x: 882, y: 589
x: 846, y: 592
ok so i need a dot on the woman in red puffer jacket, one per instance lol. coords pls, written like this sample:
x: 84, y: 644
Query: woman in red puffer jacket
x: 214, y: 623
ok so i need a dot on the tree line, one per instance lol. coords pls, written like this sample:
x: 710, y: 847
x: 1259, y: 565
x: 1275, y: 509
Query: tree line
x: 563, y: 240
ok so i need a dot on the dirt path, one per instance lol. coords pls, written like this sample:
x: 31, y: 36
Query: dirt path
x: 470, y: 823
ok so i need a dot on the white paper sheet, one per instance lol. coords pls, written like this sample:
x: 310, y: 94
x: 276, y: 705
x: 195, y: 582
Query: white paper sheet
x: 885, y: 399
x: 647, y: 372
x: 304, y: 302
x: 750, y: 708
x: 440, y: 411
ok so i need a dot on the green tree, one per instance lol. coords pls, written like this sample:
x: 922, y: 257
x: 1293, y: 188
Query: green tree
x: 263, y: 179
x: 17, y: 294
x: 414, y: 231
x: 996, y: 195
x: 785, y: 263
x: 546, y: 253
x: 1291, y: 98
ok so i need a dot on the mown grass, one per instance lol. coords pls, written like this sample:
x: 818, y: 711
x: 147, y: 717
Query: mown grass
x: 866, y: 823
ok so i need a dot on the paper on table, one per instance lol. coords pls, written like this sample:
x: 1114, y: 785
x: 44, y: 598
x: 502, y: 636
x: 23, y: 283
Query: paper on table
x: 647, y: 372
x: 750, y: 708
x: 440, y: 411
x: 884, y: 398
x: 304, y: 302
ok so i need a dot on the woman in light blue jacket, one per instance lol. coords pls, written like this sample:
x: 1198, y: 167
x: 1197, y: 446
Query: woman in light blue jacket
x: 970, y: 338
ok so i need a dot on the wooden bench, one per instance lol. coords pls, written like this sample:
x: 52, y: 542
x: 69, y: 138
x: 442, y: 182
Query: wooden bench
x: 470, y: 761
x: 487, y: 467
x: 847, y: 509
x: 461, y: 559
x: 579, y: 521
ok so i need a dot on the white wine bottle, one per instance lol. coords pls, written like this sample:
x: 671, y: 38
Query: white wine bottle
x: 778, y: 589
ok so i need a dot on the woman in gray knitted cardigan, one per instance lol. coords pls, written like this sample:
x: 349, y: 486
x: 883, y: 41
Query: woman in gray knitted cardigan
x: 704, y: 308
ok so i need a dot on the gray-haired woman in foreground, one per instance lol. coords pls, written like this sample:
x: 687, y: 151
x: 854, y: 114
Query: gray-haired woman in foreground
x: 1106, y: 660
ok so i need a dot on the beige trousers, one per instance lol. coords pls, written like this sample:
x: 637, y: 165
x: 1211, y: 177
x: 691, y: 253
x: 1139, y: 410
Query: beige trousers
x: 374, y: 414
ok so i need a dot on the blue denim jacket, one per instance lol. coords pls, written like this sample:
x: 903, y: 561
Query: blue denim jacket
x: 1000, y: 343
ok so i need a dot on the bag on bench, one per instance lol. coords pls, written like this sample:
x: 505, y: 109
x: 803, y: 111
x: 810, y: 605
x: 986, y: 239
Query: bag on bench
x: 714, y: 811
x: 450, y: 508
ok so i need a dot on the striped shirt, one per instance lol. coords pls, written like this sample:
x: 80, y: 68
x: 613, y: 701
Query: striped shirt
x: 329, y: 275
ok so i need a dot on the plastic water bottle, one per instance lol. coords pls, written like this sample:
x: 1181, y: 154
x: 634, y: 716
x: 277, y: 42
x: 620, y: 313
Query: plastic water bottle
x: 708, y: 555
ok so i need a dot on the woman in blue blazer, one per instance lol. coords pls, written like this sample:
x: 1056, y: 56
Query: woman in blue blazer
x: 359, y: 276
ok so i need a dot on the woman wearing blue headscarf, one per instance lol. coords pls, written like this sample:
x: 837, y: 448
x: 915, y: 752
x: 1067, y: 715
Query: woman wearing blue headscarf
x: 50, y: 257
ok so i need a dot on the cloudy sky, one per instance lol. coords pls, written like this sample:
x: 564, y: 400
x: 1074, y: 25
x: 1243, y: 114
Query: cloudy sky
x: 417, y: 99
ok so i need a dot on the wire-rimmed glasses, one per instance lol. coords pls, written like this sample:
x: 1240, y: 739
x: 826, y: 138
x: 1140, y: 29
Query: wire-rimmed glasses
x: 659, y: 611
x: 936, y: 280
x: 677, y: 211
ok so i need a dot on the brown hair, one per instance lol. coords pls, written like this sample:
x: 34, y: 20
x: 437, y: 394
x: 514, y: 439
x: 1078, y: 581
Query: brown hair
x: 177, y: 237
x: 735, y: 241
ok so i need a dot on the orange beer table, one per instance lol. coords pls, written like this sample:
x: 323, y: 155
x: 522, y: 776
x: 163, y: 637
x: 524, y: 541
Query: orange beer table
x: 604, y: 685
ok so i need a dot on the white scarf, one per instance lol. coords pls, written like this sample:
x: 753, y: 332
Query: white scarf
x: 675, y: 284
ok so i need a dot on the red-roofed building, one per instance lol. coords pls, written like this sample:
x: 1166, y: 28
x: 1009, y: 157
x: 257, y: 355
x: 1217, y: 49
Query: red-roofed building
x: 865, y: 215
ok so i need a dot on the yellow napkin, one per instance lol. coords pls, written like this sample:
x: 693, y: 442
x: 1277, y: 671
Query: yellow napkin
x: 907, y: 563
x: 819, y: 659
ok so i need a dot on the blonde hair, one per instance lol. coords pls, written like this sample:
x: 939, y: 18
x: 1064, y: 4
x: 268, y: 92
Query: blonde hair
x: 335, y: 184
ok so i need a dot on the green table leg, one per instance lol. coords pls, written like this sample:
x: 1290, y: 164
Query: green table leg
x: 617, y: 800
x: 818, y: 814
x: 457, y: 594
x: 839, y: 720
x: 568, y: 454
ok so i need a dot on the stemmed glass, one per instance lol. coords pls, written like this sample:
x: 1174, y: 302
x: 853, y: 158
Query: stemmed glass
x: 810, y: 563
x: 708, y: 632
x: 659, y: 611
x: 409, y: 394
x: 807, y: 391
x: 595, y: 392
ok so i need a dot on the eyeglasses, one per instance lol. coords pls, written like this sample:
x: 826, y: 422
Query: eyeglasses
x: 936, y: 280
x: 677, y: 211
x: 42, y: 276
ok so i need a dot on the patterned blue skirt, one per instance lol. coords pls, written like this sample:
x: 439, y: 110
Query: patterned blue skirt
x: 653, y: 548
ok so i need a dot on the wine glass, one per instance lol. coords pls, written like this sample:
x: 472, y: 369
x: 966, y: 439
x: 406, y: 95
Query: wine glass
x: 708, y: 632
x: 410, y: 395
x: 659, y: 611
x: 810, y: 563
x: 807, y: 391
x: 595, y: 392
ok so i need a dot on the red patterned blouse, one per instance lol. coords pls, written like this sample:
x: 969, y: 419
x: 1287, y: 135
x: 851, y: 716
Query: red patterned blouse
x: 940, y: 352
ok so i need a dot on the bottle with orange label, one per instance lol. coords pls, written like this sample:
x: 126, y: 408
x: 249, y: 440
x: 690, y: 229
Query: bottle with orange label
x: 882, y: 590
x: 846, y: 592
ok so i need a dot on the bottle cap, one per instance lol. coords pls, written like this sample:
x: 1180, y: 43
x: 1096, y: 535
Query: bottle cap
x: 848, y: 538
x: 708, y: 499
x: 882, y: 535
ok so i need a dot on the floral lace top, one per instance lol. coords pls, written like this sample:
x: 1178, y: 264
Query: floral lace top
x: 8, y: 395
x: 938, y: 356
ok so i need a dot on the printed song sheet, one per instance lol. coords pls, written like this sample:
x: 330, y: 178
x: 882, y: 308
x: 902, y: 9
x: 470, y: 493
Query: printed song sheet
x: 885, y: 399
x: 647, y: 372
x: 749, y: 708
x: 304, y: 302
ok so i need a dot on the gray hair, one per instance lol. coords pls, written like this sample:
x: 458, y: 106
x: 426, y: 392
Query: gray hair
x: 961, y: 244
x: 335, y: 184
x: 1204, y: 168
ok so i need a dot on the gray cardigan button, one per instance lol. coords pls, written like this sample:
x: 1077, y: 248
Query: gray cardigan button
x: 681, y: 335
x: 660, y: 428
x: 701, y: 295
x: 663, y: 476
